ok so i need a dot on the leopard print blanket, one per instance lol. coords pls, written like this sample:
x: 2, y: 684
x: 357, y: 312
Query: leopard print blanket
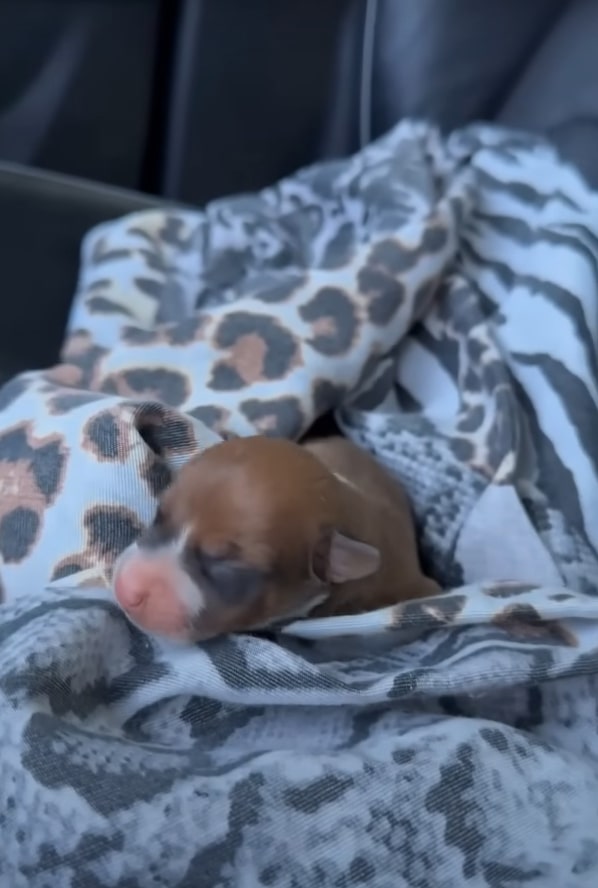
x: 440, y: 295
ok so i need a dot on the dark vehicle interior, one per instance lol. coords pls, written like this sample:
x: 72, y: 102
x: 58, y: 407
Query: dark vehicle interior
x: 232, y: 654
x: 106, y: 107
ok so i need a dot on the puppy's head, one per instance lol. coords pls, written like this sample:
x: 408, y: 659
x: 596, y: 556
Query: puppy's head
x: 246, y: 536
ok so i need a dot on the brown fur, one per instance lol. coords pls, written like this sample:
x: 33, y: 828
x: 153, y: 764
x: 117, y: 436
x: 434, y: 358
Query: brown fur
x: 278, y: 507
x: 377, y: 511
x: 256, y: 531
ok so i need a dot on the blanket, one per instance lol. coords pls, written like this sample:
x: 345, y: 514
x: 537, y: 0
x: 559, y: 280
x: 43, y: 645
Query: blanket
x: 440, y: 296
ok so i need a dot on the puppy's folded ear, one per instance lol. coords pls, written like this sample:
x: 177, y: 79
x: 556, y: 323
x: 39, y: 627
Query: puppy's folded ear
x: 339, y: 559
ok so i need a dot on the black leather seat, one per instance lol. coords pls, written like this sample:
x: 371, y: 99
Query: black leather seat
x: 230, y: 96
x: 43, y: 217
x: 308, y: 80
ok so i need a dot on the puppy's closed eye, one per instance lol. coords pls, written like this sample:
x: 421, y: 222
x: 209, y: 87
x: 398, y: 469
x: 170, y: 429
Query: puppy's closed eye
x: 231, y: 581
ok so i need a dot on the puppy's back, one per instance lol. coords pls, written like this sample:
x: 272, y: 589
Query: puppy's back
x: 357, y: 467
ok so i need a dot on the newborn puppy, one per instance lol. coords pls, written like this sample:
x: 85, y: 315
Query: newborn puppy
x: 257, y: 531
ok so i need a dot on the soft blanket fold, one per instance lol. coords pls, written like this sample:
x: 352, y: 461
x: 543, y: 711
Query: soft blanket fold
x: 441, y: 296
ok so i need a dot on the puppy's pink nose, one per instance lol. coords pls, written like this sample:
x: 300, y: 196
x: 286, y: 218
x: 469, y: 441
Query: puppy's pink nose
x: 148, y: 589
x: 128, y: 595
x: 135, y: 587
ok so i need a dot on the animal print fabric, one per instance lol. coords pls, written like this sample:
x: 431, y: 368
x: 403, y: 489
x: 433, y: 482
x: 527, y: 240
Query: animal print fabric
x: 441, y: 296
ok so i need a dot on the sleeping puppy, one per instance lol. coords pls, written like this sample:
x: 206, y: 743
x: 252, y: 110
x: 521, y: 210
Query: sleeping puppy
x: 259, y: 531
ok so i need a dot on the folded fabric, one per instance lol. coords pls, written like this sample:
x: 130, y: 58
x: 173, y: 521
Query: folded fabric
x: 440, y: 295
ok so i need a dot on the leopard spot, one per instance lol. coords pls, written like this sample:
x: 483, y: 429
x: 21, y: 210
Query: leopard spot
x: 150, y: 287
x: 177, y: 332
x: 244, y: 367
x: 30, y: 466
x: 65, y: 375
x: 110, y: 529
x: 186, y: 331
x: 472, y: 382
x: 60, y: 404
x: 259, y: 348
x: 561, y: 596
x: 14, y: 444
x: 435, y: 238
x: 340, y: 249
x: 333, y: 319
x: 81, y: 352
x: 104, y: 437
x: 443, y: 610
x: 215, y: 418
x: 397, y: 258
x: 475, y: 350
x: 138, y: 336
x: 508, y: 589
x: 472, y: 420
x: 226, y: 378
x: 99, y: 284
x: 523, y: 622
x: 226, y: 269
x: 103, y: 306
x: 69, y: 566
x: 12, y: 391
x: 19, y: 529
x: 462, y: 449
x: 156, y: 475
x: 154, y: 383
x: 48, y: 465
x: 277, y: 290
x: 165, y: 431
x: 392, y: 256
x: 174, y: 232
x: 494, y: 375
x: 280, y: 417
x: 385, y: 294
x: 103, y: 253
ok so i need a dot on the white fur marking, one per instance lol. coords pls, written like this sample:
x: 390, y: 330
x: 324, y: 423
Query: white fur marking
x: 344, y: 480
x: 182, y: 538
x: 188, y: 592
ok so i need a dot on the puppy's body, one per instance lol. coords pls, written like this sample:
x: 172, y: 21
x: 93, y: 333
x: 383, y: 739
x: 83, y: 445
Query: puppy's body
x: 256, y: 531
x: 370, y: 506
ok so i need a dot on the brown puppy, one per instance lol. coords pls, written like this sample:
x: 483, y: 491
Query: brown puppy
x: 256, y: 531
